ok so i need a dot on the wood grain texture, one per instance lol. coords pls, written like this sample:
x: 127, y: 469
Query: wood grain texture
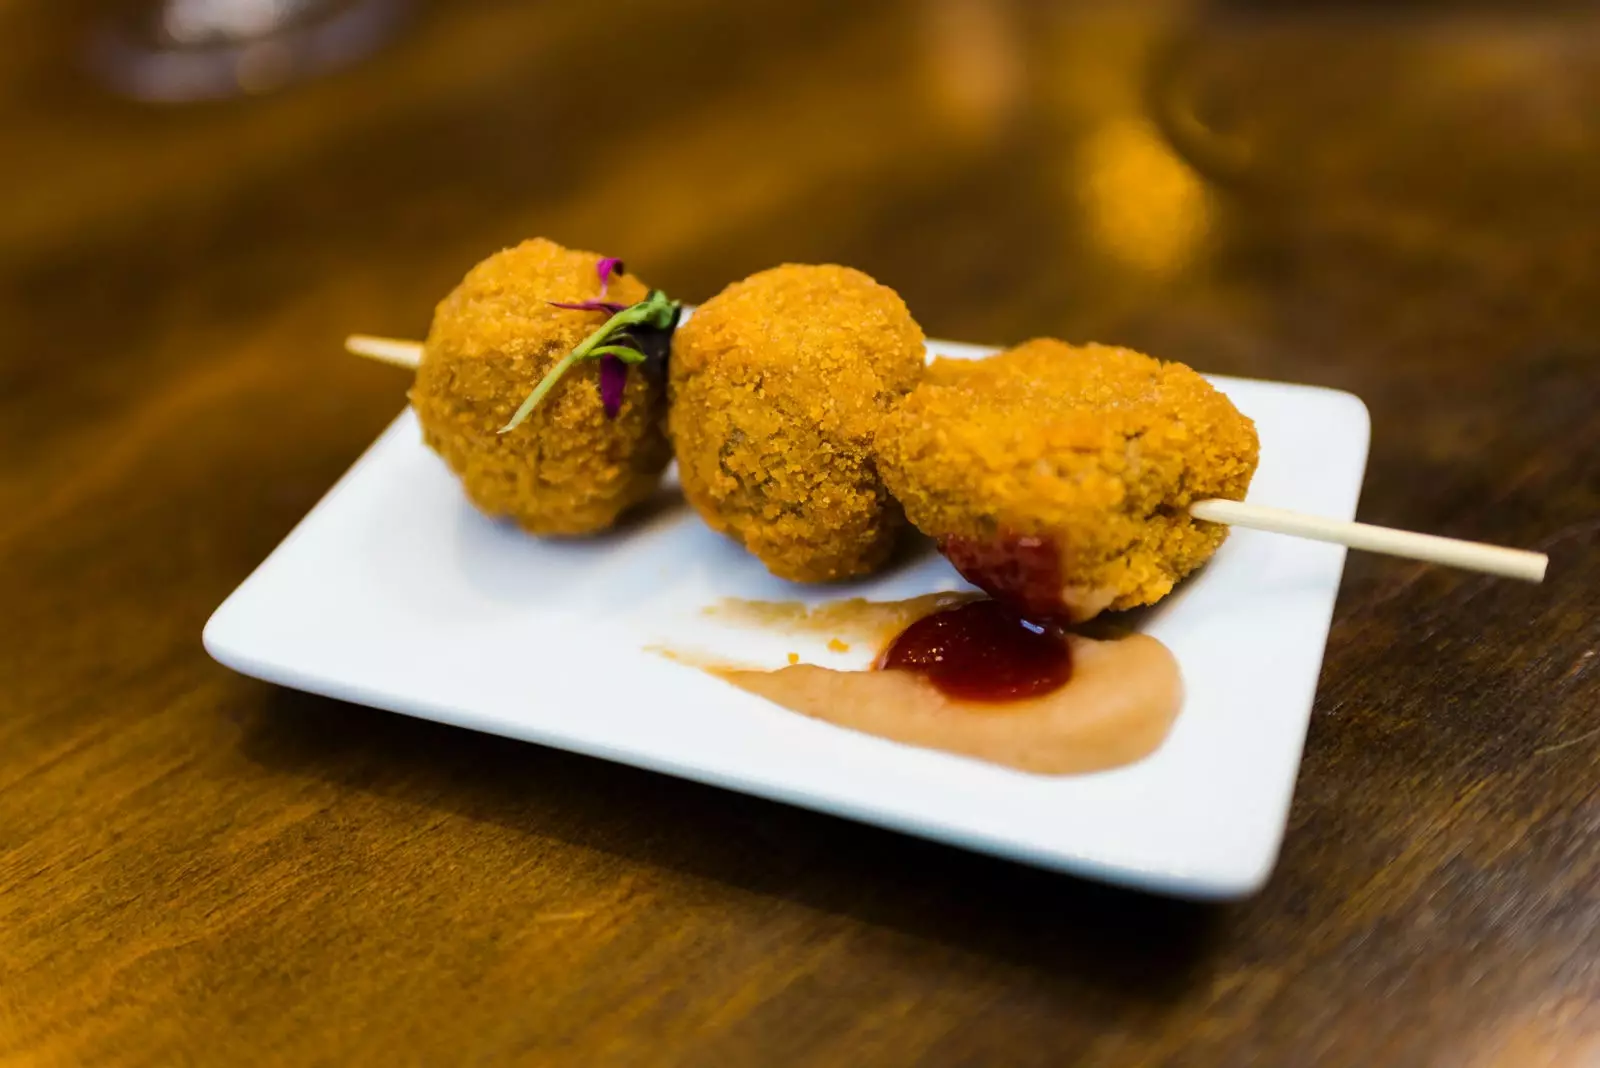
x: 195, y: 868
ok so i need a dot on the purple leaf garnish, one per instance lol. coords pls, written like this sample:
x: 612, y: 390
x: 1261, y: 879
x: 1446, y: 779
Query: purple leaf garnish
x: 605, y: 268
x: 613, y: 380
x: 608, y: 266
x: 655, y: 341
x: 610, y: 307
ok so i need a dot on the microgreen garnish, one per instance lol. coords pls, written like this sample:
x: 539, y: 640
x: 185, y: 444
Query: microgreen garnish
x: 634, y: 334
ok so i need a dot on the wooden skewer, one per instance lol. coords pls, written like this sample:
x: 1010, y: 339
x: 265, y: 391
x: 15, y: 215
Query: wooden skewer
x: 385, y: 349
x: 1470, y: 555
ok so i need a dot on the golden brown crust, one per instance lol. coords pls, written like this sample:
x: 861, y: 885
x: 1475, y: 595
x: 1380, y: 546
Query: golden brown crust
x: 778, y: 384
x: 567, y: 469
x: 1100, y: 449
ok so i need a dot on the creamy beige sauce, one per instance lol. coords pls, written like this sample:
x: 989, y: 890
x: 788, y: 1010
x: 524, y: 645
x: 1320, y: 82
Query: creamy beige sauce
x: 1117, y: 708
x: 1124, y: 694
x: 852, y: 621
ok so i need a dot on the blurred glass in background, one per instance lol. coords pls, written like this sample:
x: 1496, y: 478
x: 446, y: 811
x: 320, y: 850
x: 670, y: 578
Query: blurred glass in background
x: 183, y: 50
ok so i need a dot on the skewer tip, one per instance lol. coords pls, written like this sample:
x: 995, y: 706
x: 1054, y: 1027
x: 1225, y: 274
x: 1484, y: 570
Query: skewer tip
x: 385, y: 350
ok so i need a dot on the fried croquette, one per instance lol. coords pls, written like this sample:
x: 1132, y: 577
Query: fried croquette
x: 777, y: 385
x: 569, y: 468
x: 1058, y: 477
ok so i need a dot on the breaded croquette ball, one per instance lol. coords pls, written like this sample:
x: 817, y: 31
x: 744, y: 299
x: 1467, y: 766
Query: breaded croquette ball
x: 568, y: 468
x: 777, y: 385
x: 1058, y: 477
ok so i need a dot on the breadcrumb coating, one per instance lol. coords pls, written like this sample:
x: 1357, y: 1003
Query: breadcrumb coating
x: 567, y: 469
x: 777, y: 386
x: 1091, y: 454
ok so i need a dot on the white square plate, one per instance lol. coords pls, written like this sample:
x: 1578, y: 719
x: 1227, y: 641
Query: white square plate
x: 395, y: 593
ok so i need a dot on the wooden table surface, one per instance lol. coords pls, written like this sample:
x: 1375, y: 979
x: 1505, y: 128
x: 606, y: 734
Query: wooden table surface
x: 1399, y: 200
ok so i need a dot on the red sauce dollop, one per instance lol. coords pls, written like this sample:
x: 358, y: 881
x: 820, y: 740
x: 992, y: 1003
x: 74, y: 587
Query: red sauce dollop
x: 1022, y: 571
x: 982, y: 651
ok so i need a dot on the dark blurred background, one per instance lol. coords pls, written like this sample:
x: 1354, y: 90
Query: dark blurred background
x: 200, y: 198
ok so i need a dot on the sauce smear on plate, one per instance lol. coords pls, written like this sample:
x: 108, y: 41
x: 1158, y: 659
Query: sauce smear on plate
x: 977, y: 681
